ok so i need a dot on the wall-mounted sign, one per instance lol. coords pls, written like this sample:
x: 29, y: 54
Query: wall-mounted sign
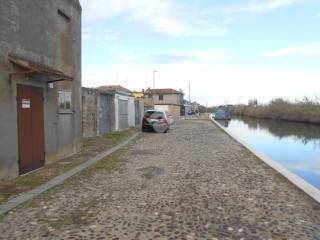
x: 26, y: 103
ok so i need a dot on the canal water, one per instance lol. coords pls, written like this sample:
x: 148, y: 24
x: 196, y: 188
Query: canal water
x: 295, y: 146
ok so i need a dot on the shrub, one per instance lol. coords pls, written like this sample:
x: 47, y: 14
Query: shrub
x: 305, y: 110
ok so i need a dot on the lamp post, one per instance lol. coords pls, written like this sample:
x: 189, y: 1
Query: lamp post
x: 154, y: 79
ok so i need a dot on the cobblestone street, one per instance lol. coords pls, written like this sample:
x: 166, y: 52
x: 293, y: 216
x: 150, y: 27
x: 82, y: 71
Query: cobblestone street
x: 193, y: 182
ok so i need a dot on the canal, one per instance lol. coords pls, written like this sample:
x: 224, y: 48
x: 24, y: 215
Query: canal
x: 295, y: 146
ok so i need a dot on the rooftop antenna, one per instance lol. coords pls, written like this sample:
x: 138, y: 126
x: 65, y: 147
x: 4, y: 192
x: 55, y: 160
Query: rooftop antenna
x: 146, y: 78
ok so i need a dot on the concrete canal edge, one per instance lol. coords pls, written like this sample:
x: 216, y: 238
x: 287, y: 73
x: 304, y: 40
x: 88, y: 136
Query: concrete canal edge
x: 24, y: 197
x: 296, y: 180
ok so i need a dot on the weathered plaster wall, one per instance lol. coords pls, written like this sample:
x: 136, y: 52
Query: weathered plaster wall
x: 173, y: 109
x: 34, y: 30
x: 89, y: 112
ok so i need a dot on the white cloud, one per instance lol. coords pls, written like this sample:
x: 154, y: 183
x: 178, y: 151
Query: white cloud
x: 260, y: 6
x: 160, y: 15
x: 175, y: 56
x: 168, y: 57
x: 213, y: 83
x: 130, y: 57
x: 309, y: 50
x: 100, y: 36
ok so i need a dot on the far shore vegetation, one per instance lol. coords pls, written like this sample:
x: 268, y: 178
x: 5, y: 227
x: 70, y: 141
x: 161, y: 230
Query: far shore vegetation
x: 306, y: 110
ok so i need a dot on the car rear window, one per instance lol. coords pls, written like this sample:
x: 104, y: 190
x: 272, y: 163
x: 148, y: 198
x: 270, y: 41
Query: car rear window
x: 148, y: 114
x: 154, y: 114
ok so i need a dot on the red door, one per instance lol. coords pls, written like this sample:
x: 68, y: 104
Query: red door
x: 30, y: 128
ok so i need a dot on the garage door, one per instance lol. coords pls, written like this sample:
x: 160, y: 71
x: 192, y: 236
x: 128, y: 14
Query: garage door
x: 104, y: 121
x: 137, y: 112
x: 123, y: 114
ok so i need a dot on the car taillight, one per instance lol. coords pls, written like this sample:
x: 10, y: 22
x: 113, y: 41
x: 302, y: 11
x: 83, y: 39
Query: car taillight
x: 163, y: 120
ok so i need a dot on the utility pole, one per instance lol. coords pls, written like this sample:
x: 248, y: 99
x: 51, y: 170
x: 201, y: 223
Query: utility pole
x: 189, y: 94
x: 154, y: 79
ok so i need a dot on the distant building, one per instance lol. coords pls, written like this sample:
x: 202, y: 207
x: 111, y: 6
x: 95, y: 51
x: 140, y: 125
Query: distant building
x: 195, y: 106
x: 40, y: 83
x: 165, y: 99
x: 187, y: 108
x: 253, y: 102
x: 137, y: 94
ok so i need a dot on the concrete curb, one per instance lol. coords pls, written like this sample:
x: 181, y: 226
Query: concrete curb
x: 296, y: 180
x: 24, y: 197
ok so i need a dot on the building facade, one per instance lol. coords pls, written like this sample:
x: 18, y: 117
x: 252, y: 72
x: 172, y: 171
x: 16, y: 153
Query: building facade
x: 139, y: 106
x: 40, y: 83
x: 165, y: 99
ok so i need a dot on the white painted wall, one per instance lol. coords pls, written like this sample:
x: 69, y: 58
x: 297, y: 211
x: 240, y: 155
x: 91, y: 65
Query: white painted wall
x: 163, y: 108
x: 116, y: 112
x: 131, y: 112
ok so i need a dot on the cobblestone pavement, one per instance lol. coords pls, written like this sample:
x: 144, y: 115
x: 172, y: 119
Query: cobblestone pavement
x: 193, y: 182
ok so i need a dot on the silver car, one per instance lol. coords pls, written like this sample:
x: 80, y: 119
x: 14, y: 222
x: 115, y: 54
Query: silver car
x: 158, y: 121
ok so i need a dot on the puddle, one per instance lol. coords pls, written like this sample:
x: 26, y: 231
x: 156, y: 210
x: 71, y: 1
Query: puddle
x: 150, y: 172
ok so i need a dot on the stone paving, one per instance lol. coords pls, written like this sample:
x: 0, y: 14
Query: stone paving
x: 193, y: 182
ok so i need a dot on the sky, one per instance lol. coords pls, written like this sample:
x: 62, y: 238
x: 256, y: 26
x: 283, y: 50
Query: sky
x: 229, y: 51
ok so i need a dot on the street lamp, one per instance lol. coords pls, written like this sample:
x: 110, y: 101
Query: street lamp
x: 154, y: 79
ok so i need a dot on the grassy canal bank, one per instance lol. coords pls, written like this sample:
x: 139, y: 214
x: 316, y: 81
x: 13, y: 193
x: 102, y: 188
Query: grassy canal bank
x: 306, y: 110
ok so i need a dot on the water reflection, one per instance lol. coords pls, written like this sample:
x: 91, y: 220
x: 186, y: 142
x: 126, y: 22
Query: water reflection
x: 302, y: 132
x: 224, y: 123
x: 296, y: 146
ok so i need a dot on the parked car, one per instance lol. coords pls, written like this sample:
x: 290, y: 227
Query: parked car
x: 156, y: 121
x: 193, y: 112
x: 170, y: 119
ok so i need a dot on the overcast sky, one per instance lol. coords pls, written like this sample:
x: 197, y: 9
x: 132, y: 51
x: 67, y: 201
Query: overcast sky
x: 230, y: 50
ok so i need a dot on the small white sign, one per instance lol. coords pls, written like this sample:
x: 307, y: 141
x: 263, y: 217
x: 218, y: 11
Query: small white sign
x: 26, y: 103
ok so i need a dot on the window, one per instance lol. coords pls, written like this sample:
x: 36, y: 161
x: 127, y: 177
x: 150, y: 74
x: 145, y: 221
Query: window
x: 160, y: 97
x: 65, y: 101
